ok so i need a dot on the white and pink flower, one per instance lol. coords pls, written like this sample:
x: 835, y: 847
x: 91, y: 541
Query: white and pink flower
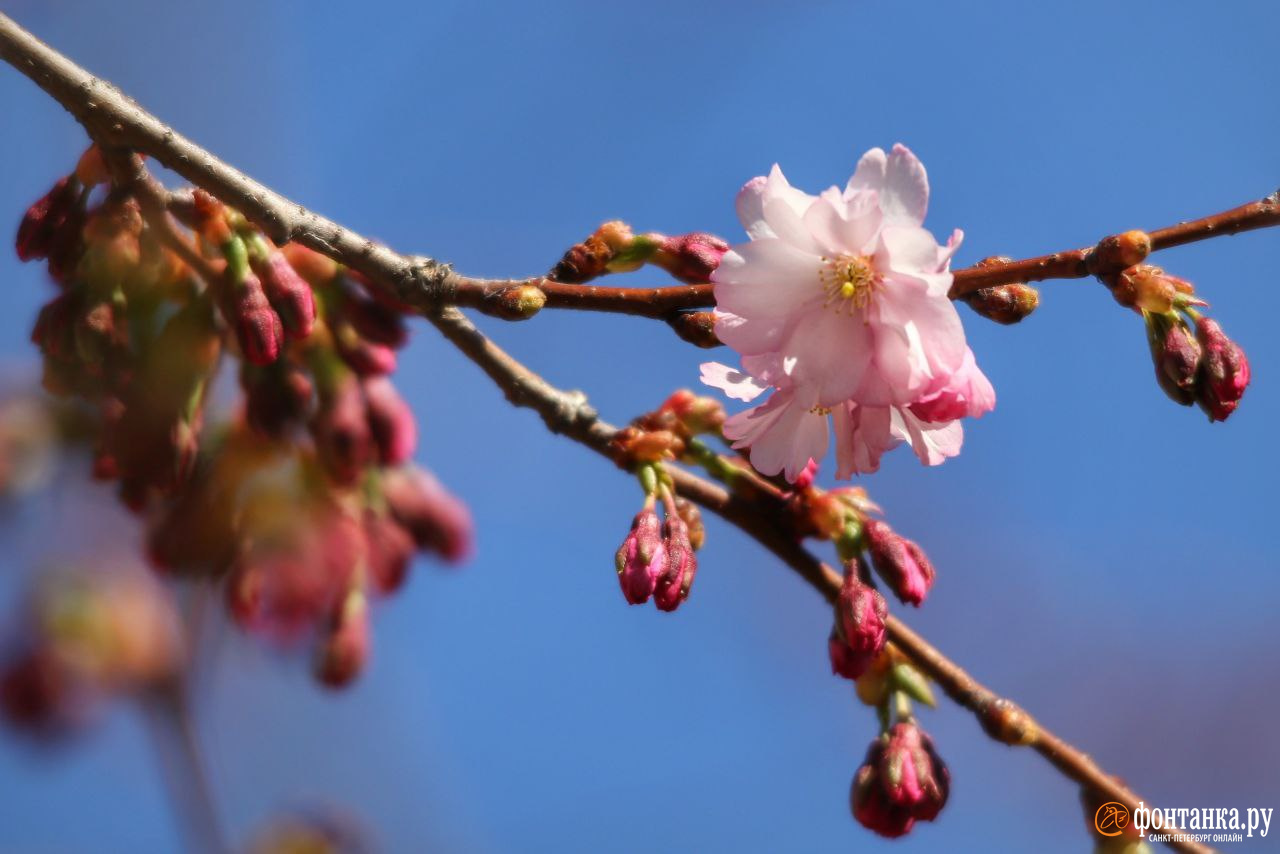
x: 839, y: 304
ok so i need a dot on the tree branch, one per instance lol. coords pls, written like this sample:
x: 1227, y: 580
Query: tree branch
x: 115, y: 121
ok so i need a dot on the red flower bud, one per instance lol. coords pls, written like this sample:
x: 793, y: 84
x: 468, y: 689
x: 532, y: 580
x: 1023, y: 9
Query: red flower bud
x: 642, y: 558
x: 390, y: 551
x: 364, y: 357
x: 315, y: 268
x: 912, y: 773
x: 290, y: 296
x: 1176, y: 355
x: 51, y: 215
x: 900, y: 562
x: 374, y: 321
x: 437, y: 520
x: 682, y: 565
x: 277, y: 398
x: 345, y: 650
x: 391, y: 421
x: 257, y: 326
x: 860, y: 626
x: 902, y: 780
x: 691, y: 257
x: 692, y: 516
x: 341, y: 431
x: 1224, y: 371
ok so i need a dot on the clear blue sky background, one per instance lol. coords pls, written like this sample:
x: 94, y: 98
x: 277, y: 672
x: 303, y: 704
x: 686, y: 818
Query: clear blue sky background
x: 1106, y: 557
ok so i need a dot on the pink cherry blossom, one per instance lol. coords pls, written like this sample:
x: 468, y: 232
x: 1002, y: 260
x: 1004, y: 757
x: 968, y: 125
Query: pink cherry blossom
x: 839, y: 305
x: 846, y: 290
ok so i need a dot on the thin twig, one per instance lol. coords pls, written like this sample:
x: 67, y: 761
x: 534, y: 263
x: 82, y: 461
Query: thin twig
x: 185, y: 774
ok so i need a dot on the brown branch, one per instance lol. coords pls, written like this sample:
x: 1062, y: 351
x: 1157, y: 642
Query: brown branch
x: 760, y: 518
x: 115, y: 121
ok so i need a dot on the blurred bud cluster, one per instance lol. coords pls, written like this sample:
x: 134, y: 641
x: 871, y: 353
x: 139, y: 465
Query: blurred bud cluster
x: 300, y: 498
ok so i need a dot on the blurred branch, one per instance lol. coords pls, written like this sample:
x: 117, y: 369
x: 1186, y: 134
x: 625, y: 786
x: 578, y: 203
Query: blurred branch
x: 116, y: 122
x: 186, y: 777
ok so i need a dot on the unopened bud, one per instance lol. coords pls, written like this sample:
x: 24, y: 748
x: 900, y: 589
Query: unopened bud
x: 1175, y: 352
x: 519, y: 303
x: 289, y: 294
x: 44, y: 220
x: 1006, y: 304
x: 692, y: 516
x: 682, y: 565
x: 341, y: 430
x: 642, y: 557
x: 374, y: 321
x: 1006, y: 722
x: 696, y: 327
x: 591, y: 258
x: 365, y: 357
x: 437, y: 519
x: 91, y: 169
x: 395, y: 430
x: 696, y: 414
x: 692, y: 257
x: 315, y: 268
x: 860, y: 620
x: 345, y: 651
x: 257, y: 326
x: 1224, y: 371
x: 1118, y: 251
x: 900, y: 562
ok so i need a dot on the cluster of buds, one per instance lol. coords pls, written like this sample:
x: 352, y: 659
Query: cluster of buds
x: 1005, y: 304
x: 86, y: 637
x: 613, y: 248
x: 670, y: 432
x: 1203, y: 366
x: 657, y: 558
x: 901, y: 781
x: 844, y: 516
x: 304, y: 500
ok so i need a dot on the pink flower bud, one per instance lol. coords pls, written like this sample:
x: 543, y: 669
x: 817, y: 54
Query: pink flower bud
x: 289, y: 295
x: 374, y: 321
x: 391, y: 421
x: 900, y: 562
x: 861, y: 612
x: 1176, y: 355
x: 642, y: 558
x: 344, y: 652
x: 437, y: 520
x: 257, y: 326
x: 844, y: 661
x: 277, y: 398
x: 390, y: 551
x: 341, y: 431
x: 682, y: 565
x: 282, y: 593
x: 1224, y: 371
x: 364, y: 357
x: 52, y: 214
x: 870, y: 804
x: 901, y: 781
x: 691, y: 257
x: 912, y: 773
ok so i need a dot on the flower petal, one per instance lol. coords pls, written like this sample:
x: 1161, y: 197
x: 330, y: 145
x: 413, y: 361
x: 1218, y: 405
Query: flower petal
x: 905, y: 199
x: 870, y: 173
x: 735, y: 384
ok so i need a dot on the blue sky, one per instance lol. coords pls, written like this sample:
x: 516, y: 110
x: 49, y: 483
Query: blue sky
x: 1105, y: 557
